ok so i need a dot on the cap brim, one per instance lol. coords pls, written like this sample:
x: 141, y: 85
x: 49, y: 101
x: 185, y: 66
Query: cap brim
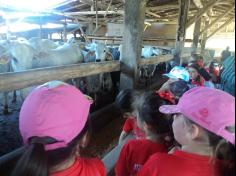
x: 169, y: 109
x: 170, y: 76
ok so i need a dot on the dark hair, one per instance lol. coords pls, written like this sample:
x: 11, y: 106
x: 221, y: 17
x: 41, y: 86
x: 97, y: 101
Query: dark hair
x: 178, y: 88
x: 223, y: 151
x: 148, y: 110
x: 36, y: 161
x: 124, y: 100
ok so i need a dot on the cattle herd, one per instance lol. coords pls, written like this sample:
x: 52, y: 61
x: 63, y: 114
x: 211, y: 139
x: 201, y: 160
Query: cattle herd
x: 22, y: 54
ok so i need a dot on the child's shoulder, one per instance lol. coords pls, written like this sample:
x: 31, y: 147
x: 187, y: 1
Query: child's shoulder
x: 92, y: 164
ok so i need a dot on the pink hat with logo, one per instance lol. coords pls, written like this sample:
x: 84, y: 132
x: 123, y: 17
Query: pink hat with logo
x: 210, y: 108
x: 55, y: 110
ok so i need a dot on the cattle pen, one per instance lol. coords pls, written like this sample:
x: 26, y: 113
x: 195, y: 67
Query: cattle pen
x: 171, y: 30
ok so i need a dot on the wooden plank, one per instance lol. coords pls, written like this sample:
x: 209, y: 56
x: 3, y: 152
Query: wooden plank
x: 19, y: 80
x: 198, y: 3
x: 153, y: 14
x: 119, y: 38
x: 163, y: 7
x: 155, y: 60
x: 209, y: 5
x: 132, y: 42
x: 90, y: 2
x: 228, y: 22
x: 81, y: 13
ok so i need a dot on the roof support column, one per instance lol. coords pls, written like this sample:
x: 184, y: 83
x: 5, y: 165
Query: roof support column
x: 196, y: 35
x: 181, y: 28
x: 132, y: 42
x: 204, y: 38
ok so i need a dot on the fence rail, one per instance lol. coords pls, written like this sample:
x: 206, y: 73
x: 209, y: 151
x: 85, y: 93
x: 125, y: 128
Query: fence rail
x: 18, y: 80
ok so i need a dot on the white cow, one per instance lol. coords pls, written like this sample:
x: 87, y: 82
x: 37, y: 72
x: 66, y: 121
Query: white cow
x: 5, y: 67
x: 42, y: 45
x: 26, y: 57
x: 97, y: 52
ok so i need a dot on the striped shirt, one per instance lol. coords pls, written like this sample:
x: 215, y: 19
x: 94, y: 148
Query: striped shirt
x: 228, y: 75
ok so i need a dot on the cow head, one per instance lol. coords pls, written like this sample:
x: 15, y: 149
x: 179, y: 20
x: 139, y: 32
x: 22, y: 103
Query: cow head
x: 102, y: 53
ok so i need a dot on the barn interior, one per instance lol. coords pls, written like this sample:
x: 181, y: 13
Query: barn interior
x: 185, y: 26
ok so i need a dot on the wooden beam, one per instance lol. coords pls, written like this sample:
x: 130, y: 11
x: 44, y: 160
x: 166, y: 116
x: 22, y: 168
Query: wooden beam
x: 90, y: 2
x: 217, y: 19
x: 155, y: 60
x: 119, y: 12
x: 74, y: 7
x: 132, y: 42
x: 163, y: 7
x: 153, y: 14
x: 181, y: 28
x: 198, y: 3
x: 201, y: 12
x: 119, y: 38
x: 19, y: 80
x: 229, y: 21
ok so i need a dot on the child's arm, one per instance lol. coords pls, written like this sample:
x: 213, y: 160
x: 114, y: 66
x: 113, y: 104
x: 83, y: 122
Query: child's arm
x: 123, y: 135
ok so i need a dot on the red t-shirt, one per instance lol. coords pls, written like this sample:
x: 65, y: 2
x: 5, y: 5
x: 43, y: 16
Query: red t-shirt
x: 130, y: 126
x: 179, y: 164
x: 134, y: 154
x: 83, y: 167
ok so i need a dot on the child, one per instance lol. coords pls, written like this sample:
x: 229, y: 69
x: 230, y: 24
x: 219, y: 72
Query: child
x: 54, y: 125
x: 177, y: 73
x: 198, y: 61
x: 175, y: 91
x: 136, y: 152
x: 203, y: 123
x: 124, y: 102
x: 196, y: 78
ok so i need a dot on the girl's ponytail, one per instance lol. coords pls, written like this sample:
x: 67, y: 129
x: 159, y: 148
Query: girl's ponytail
x: 33, y: 162
x: 225, y: 151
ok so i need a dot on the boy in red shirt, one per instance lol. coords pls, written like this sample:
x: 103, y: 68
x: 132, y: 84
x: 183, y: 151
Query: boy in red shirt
x: 204, y: 123
x: 54, y: 125
x: 155, y: 126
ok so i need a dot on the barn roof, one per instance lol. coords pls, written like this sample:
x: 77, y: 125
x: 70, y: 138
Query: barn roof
x: 163, y: 11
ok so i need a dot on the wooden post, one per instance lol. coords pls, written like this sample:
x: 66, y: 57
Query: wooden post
x: 132, y: 42
x: 8, y: 34
x: 181, y: 28
x: 204, y: 38
x: 65, y: 31
x: 196, y: 35
x: 90, y: 28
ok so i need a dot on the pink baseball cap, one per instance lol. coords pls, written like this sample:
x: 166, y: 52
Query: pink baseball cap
x: 56, y: 110
x: 210, y: 108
